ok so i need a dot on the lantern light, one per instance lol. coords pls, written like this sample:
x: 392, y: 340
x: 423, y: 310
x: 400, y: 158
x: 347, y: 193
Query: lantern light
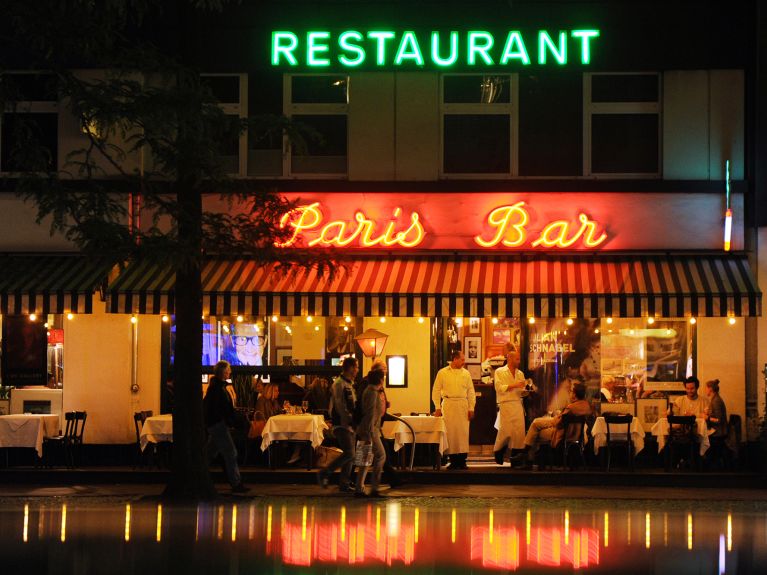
x: 372, y: 342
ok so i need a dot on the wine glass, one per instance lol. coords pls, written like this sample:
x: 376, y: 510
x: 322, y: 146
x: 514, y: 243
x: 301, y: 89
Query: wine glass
x: 305, y: 406
x: 287, y: 408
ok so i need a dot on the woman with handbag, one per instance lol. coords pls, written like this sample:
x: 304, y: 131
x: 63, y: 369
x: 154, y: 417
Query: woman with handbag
x: 369, y: 436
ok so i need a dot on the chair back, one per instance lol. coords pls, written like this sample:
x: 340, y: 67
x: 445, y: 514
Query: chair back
x: 70, y: 424
x: 79, y: 426
x: 686, y: 427
x: 618, y: 419
x: 573, y: 427
x: 139, y: 418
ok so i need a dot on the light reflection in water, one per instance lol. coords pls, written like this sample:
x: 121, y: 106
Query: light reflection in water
x: 392, y: 534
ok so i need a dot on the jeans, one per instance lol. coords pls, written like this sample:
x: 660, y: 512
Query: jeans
x: 220, y: 442
x: 379, y: 458
x: 346, y: 441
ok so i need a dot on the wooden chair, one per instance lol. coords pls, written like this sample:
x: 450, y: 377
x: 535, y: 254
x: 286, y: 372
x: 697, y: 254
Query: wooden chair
x: 70, y: 442
x: 139, y: 418
x: 573, y: 436
x: 682, y: 437
x: 622, y: 419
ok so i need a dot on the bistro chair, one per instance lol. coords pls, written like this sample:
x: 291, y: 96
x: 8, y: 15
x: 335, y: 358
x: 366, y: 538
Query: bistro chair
x: 69, y: 443
x: 681, y: 438
x: 620, y: 440
x: 139, y: 418
x: 574, y: 436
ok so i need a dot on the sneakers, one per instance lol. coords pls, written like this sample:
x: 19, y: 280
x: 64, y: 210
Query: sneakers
x: 240, y: 488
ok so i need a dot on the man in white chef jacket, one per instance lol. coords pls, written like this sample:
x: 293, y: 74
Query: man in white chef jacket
x: 509, y: 388
x: 454, y: 391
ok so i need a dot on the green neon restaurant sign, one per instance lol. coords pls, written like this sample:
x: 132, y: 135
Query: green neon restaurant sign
x: 407, y: 49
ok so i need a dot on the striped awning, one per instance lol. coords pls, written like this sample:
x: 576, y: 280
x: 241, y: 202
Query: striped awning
x: 578, y: 286
x: 50, y: 283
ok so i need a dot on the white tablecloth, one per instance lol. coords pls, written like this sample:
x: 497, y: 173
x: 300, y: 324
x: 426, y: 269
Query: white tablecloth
x: 618, y: 431
x: 156, y: 429
x: 25, y: 430
x: 427, y: 430
x: 661, y: 427
x: 293, y: 428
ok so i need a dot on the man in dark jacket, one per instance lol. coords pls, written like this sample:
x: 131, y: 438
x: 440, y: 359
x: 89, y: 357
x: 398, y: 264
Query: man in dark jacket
x: 218, y: 411
x: 342, y: 403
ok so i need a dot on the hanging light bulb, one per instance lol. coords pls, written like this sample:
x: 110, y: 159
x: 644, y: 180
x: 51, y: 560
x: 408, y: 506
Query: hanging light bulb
x: 33, y: 317
x: 650, y: 320
x: 239, y: 319
x: 165, y: 319
x: 275, y: 318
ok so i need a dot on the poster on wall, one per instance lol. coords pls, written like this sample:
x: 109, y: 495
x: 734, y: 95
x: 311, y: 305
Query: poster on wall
x: 244, y: 345
x: 25, y: 346
x: 561, y: 355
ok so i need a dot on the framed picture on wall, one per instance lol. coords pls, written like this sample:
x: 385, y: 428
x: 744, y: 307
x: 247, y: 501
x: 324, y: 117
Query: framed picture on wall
x: 475, y: 370
x: 472, y: 349
x: 501, y: 335
x: 650, y: 410
x: 473, y: 325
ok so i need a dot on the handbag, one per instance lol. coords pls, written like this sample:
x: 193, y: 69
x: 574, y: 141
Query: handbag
x: 363, y: 454
x: 256, y: 428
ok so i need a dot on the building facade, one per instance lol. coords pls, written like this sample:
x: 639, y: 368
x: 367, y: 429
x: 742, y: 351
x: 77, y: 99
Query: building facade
x: 559, y: 176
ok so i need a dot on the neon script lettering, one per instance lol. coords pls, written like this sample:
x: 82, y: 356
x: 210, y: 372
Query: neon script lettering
x: 309, y: 221
x: 474, y: 48
x: 510, y: 226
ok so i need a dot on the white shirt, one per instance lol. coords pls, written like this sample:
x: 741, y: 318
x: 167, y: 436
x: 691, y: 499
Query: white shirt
x: 453, y: 384
x: 503, y: 379
x: 684, y: 405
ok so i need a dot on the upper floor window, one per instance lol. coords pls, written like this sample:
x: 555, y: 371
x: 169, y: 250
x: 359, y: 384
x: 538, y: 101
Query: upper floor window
x: 319, y: 107
x: 622, y: 124
x: 231, y: 91
x: 29, y: 130
x: 479, y: 124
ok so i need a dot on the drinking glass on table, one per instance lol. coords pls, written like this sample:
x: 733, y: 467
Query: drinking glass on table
x: 305, y: 406
x: 287, y: 408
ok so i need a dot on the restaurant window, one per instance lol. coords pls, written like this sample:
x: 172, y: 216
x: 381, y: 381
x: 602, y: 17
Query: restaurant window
x: 32, y: 351
x: 265, y: 134
x: 621, y: 124
x: 479, y: 124
x: 319, y: 107
x: 231, y: 92
x: 550, y: 124
x: 628, y: 365
x: 29, y: 130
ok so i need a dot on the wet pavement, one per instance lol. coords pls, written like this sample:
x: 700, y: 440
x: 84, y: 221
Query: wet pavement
x: 288, y: 528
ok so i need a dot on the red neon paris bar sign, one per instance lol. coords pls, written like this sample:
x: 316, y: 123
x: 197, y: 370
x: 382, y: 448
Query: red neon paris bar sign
x: 500, y: 221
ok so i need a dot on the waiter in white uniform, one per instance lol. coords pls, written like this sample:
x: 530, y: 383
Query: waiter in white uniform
x: 454, y: 391
x: 509, y: 387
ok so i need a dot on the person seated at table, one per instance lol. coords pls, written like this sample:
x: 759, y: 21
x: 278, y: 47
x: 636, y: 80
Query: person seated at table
x: 218, y: 411
x: 716, y: 414
x: 318, y: 396
x: 608, y: 385
x: 372, y: 409
x: 267, y: 403
x: 551, y: 429
x: 690, y: 403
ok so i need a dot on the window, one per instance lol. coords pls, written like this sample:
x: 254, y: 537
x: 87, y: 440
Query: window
x: 621, y: 124
x: 319, y: 106
x: 265, y: 135
x: 231, y: 91
x: 479, y: 125
x: 29, y: 129
x: 550, y: 123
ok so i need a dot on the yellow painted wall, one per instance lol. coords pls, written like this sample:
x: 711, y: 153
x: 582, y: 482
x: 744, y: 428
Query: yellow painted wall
x: 97, y: 372
x: 721, y: 355
x: 410, y: 338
